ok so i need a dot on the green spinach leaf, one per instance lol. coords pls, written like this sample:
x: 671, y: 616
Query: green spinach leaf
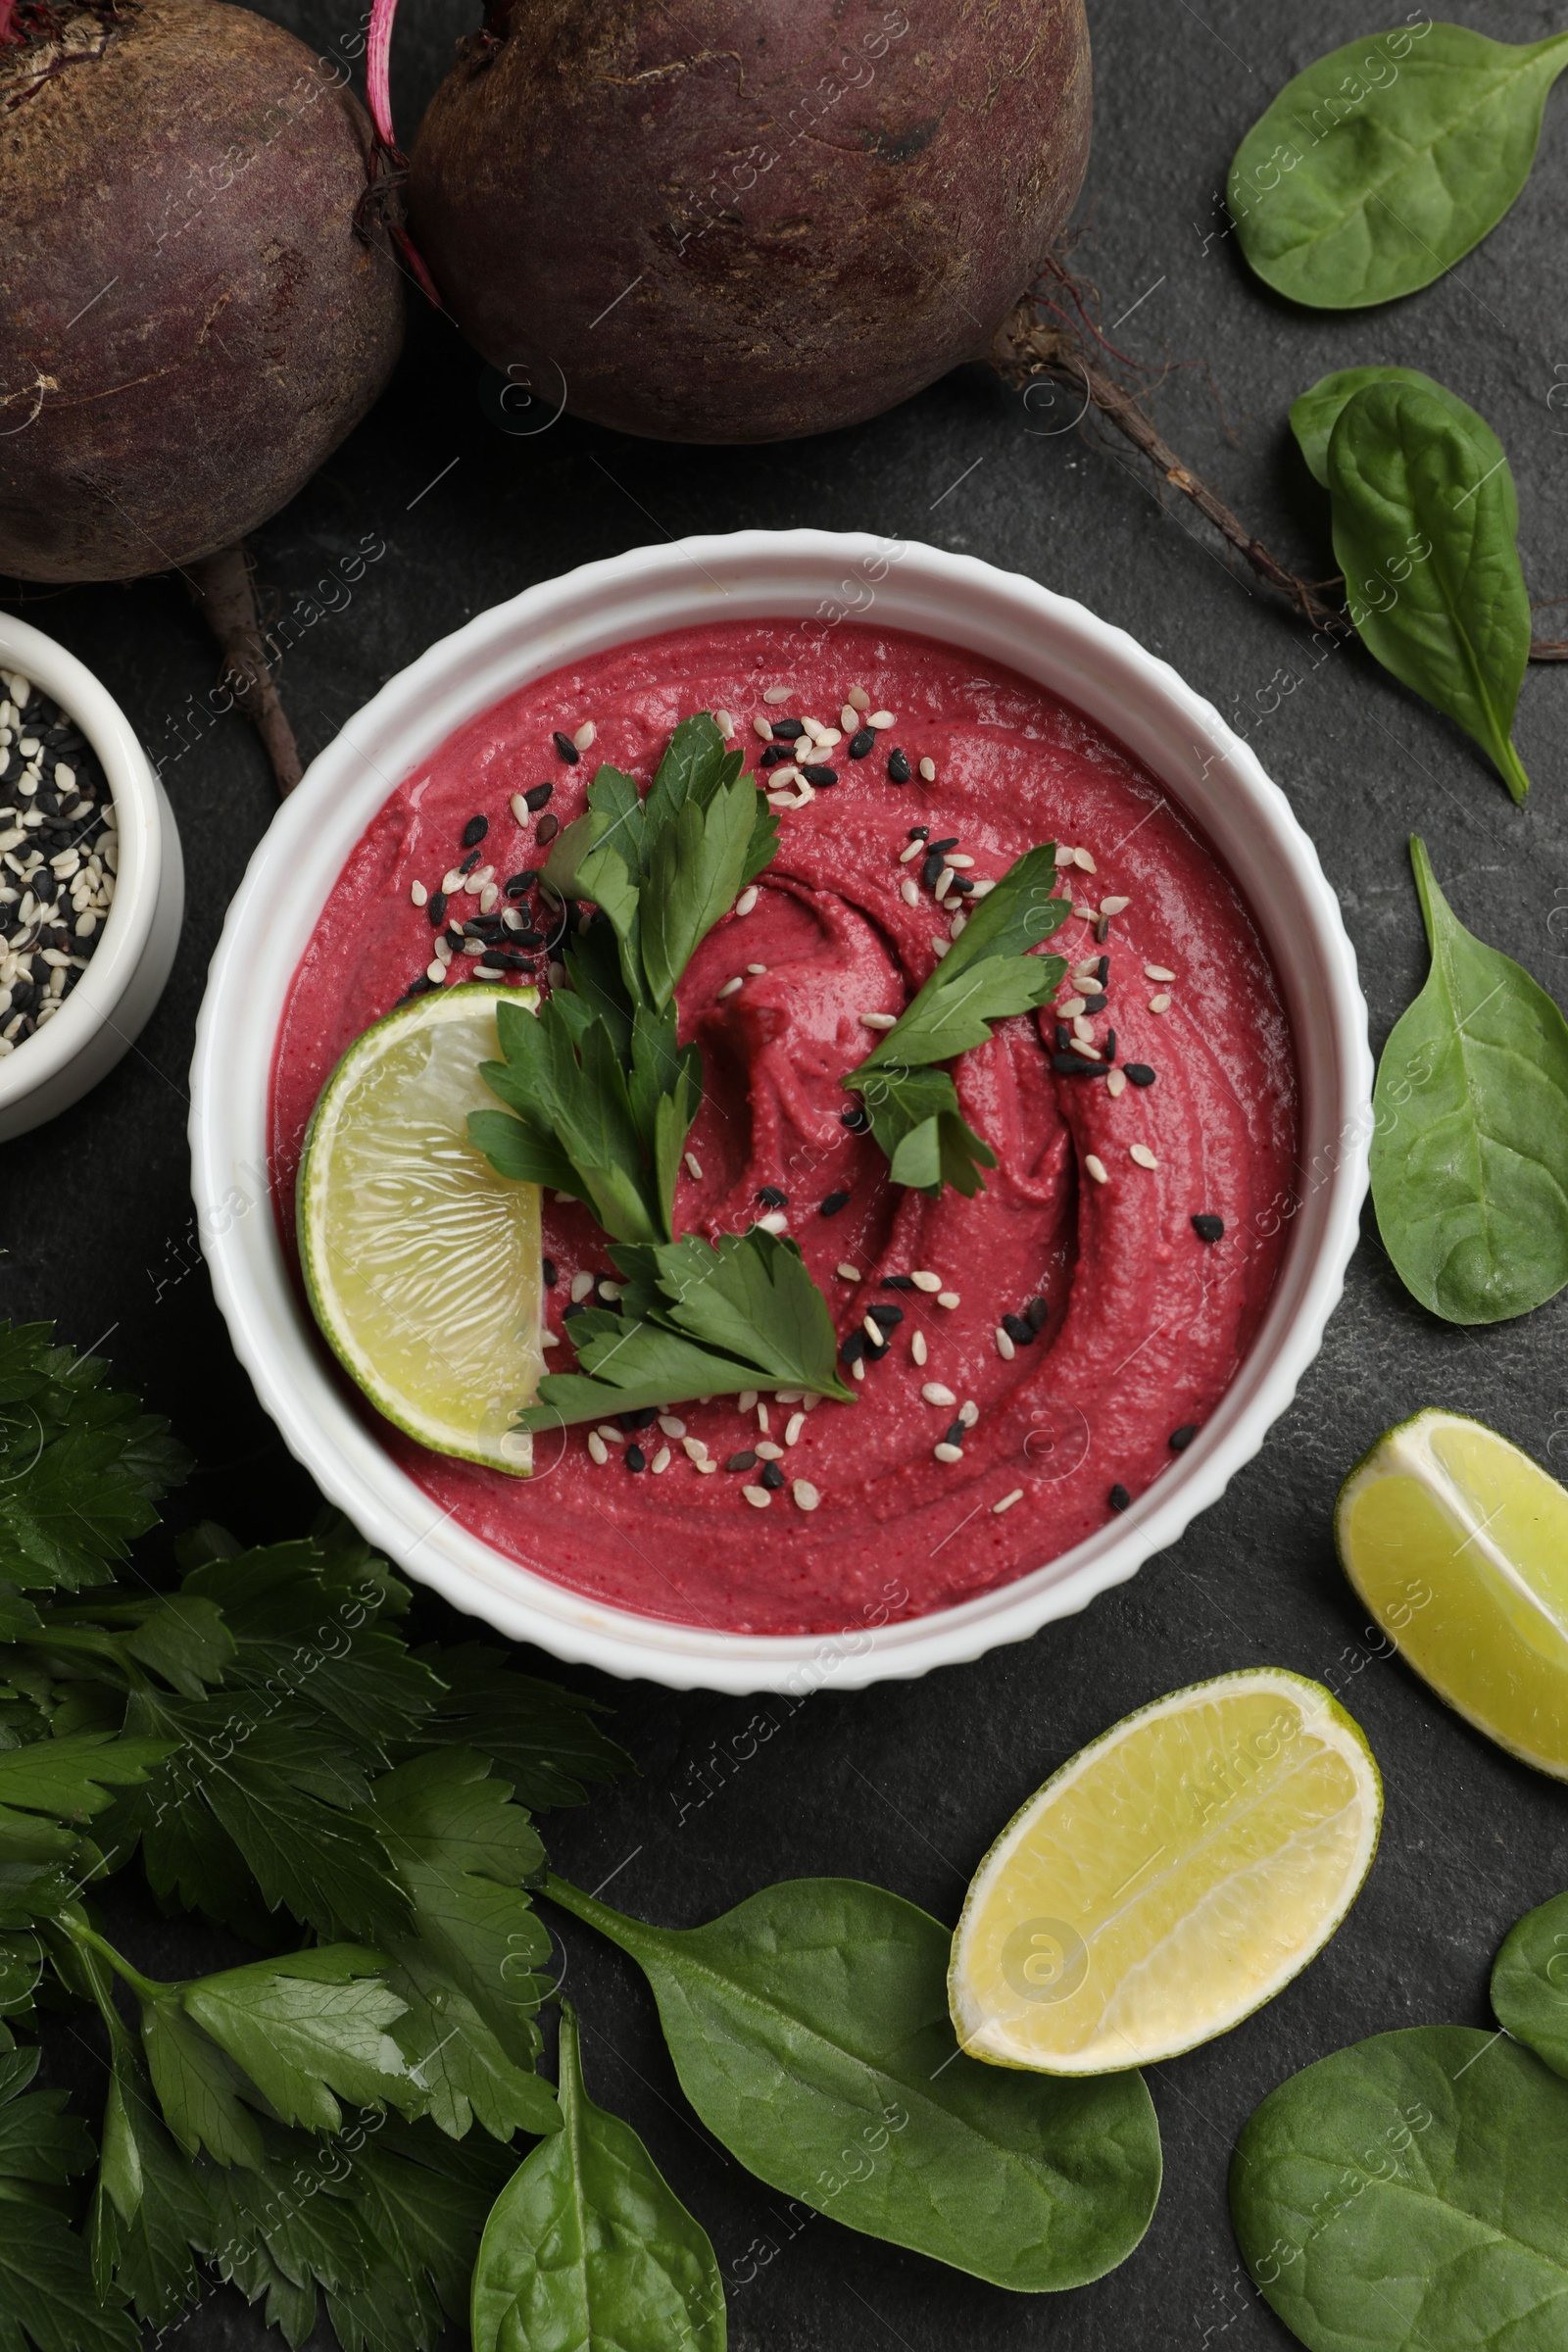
x: 1381, y: 166
x: 1316, y: 412
x: 1425, y: 518
x: 1470, y: 1147
x: 809, y: 2029
x: 589, y: 2246
x: 1530, y: 1983
x: 1408, y: 2192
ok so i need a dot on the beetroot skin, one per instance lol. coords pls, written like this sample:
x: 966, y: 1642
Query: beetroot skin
x: 189, y: 322
x: 746, y: 220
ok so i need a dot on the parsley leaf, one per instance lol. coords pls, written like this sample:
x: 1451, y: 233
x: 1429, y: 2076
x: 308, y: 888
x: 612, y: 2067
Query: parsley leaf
x: 48, y: 2296
x: 987, y: 975
x: 199, y: 2087
x: 150, y: 2208
x: 81, y: 1466
x: 544, y: 1740
x: 420, y: 2200
x: 306, y: 2027
x: 697, y: 1319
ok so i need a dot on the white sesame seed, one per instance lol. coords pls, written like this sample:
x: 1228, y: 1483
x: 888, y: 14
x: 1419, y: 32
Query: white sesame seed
x: 724, y: 724
x: 1143, y: 1155
x: 1005, y: 1347
x: 787, y: 773
x: 788, y: 1396
x: 731, y: 986
x: 1115, y: 1083
x: 766, y: 1451
x: 417, y: 891
x: 775, y: 1221
x: 745, y: 1401
x: 846, y: 1272
x: 928, y: 771
x: 1114, y: 906
x: 694, y: 1449
x: 1008, y: 1501
x: 850, y: 718
x: 859, y: 699
x: 827, y: 737
x: 805, y: 1495
x: 936, y: 1391
x: 1157, y: 971
x: 672, y: 1425
x: 1083, y: 1026
x: 858, y: 1368
x: 435, y: 970
x: 585, y: 735
x: 908, y: 892
x: 947, y: 1298
x: 707, y: 1463
x: 873, y: 1330
x: 661, y: 1460
x: 473, y: 883
x: 939, y: 946
x: 777, y: 694
x: 948, y: 1454
x: 1160, y: 1003
x: 487, y: 971
x: 87, y: 925
x: 1068, y: 1007
x: 758, y: 1497
x: 960, y: 859
x: 1096, y: 1167
x: 917, y: 848
x: 982, y: 890
x: 757, y: 970
x: 763, y: 728
x: 582, y: 1284
x: 452, y: 882
x: 598, y: 1450
x: 488, y: 898
x: 955, y: 927
x: 944, y: 882
x: 548, y: 1339
x: 881, y: 718
x: 694, y: 1167
x: 924, y: 1280
x: 968, y: 1412
x: 1081, y: 857
x: 1086, y: 914
x: 747, y: 900
x: 917, y: 1346
x: 879, y: 1020
x: 793, y: 1428
x: 782, y: 800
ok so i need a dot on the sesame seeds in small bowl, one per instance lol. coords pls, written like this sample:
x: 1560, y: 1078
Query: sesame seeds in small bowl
x: 91, y: 880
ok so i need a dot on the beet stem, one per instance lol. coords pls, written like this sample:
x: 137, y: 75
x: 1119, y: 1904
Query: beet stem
x: 224, y: 588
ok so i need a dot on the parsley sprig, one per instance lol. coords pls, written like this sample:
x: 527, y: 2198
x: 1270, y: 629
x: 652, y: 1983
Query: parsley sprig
x: 988, y: 975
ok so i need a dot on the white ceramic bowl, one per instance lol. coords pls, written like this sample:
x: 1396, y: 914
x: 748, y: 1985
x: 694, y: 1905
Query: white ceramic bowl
x: 126, y: 975
x: 963, y: 603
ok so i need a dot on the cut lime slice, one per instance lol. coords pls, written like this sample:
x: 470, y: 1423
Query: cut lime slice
x: 1169, y: 1880
x: 422, y: 1264
x: 1458, y: 1544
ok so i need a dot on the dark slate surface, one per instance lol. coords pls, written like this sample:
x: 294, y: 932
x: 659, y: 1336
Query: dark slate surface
x: 906, y: 1784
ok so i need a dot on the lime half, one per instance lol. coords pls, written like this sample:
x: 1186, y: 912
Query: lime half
x: 1458, y: 1544
x: 422, y: 1264
x: 1171, y: 1878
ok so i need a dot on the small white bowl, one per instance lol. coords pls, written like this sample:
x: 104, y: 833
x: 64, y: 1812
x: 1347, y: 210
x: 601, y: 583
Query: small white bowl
x: 752, y: 574
x: 126, y: 975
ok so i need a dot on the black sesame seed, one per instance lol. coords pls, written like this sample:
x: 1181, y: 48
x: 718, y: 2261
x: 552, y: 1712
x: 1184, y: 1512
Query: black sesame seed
x: 1103, y: 968
x: 1118, y: 1499
x: 858, y: 1119
x: 819, y: 776
x: 956, y: 1433
x: 885, y: 1316
x: 467, y: 864
x: 1110, y: 1045
x: 772, y: 1477
x: 509, y: 960
x: 1208, y: 1228
x: 1075, y: 1066
x: 961, y: 884
x: 421, y: 988
x: 1181, y: 1439
x: 515, y: 885
x: 745, y: 1460
x: 899, y: 769
x: 636, y: 1459
x: 1096, y: 1003
x: 537, y: 795
x: 919, y: 832
x: 774, y: 752
x: 528, y: 938
x: 578, y: 1307
x: 642, y: 1418
x: 861, y: 742
x: 898, y: 1282
x: 566, y: 748
x: 931, y: 869
x: 950, y: 843
x: 874, y: 1355
x: 453, y: 936
x: 789, y: 730
x: 474, y: 830
x: 1140, y: 1073
x: 851, y: 1346
x: 551, y: 1272
x: 436, y: 909
x: 1035, y: 1313
x: 772, y: 1197
x: 1063, y: 1037
x: 1018, y: 1330
x: 833, y: 1203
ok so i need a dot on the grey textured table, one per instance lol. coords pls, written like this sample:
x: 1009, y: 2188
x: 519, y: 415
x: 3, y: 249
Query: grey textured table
x: 908, y: 1782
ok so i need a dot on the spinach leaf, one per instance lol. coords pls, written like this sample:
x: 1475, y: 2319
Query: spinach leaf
x: 1530, y: 1983
x: 1316, y: 412
x: 1408, y: 2192
x: 1381, y: 166
x: 588, y: 2246
x: 1470, y: 1149
x: 1425, y: 518
x: 809, y: 2029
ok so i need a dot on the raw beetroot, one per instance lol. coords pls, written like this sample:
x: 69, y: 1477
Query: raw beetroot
x: 190, y: 320
x: 745, y: 220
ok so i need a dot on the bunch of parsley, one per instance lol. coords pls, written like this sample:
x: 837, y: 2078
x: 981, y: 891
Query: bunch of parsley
x: 359, y: 1810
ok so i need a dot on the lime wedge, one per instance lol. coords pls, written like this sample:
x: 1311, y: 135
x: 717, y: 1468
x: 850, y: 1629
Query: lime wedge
x: 422, y: 1264
x: 1458, y: 1544
x: 1169, y: 1880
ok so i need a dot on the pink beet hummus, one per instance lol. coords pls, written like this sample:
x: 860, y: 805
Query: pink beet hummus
x: 1143, y: 1321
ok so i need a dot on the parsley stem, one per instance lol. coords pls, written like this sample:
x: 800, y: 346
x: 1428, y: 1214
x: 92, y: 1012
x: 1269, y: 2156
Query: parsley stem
x: 89, y: 1939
